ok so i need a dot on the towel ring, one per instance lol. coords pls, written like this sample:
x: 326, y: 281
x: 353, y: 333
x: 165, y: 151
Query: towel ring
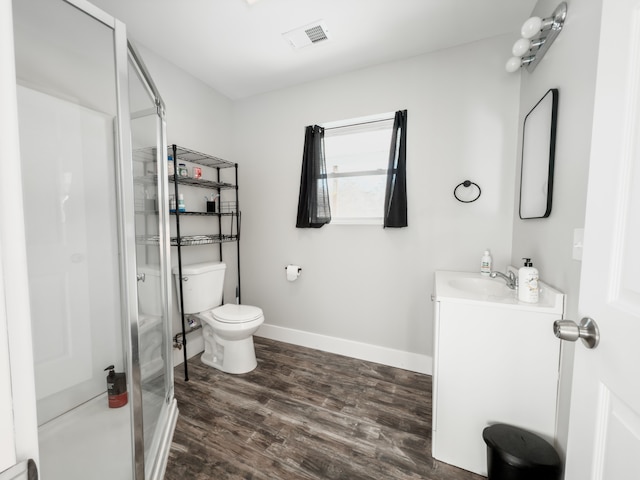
x: 466, y: 184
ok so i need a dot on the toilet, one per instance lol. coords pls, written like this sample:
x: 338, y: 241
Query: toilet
x: 227, y: 329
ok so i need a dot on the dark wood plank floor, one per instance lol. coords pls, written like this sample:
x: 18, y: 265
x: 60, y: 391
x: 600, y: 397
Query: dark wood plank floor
x: 304, y: 414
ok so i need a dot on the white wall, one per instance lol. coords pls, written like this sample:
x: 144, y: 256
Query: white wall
x: 364, y: 290
x: 570, y: 66
x: 197, y: 116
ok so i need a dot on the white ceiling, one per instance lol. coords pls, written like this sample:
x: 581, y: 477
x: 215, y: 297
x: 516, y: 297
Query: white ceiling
x: 239, y: 50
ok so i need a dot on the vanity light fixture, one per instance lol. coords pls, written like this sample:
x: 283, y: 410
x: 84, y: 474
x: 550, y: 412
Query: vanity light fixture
x: 537, y: 36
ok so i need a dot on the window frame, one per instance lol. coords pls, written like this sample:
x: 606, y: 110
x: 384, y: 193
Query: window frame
x: 388, y: 118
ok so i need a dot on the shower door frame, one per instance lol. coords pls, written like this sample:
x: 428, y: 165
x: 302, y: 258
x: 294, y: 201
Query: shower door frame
x: 169, y: 414
x: 126, y: 212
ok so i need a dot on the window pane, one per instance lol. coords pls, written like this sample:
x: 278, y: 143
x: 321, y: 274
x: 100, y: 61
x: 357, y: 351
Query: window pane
x: 357, y: 196
x: 357, y: 152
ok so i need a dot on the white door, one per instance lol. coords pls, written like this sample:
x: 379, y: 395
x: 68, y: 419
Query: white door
x: 604, y: 429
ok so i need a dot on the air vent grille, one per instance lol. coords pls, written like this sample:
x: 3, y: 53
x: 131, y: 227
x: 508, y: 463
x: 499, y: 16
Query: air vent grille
x: 316, y: 34
x: 307, y: 35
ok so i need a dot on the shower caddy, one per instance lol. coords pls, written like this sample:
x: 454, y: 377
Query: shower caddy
x: 227, y: 208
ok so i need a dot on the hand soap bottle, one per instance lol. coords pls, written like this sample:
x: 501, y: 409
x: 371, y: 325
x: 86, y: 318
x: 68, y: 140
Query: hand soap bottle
x: 528, y: 282
x: 485, y: 263
x: 116, y: 388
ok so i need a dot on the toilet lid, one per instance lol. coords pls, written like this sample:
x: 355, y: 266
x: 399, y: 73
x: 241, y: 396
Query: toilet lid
x: 232, y: 313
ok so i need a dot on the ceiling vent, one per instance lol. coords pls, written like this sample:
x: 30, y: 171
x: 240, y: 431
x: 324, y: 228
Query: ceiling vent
x: 309, y: 34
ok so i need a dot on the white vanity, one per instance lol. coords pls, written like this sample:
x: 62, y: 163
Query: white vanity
x: 495, y: 361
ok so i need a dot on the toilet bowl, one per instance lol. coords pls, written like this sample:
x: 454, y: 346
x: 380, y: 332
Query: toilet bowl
x: 227, y: 329
x: 228, y: 337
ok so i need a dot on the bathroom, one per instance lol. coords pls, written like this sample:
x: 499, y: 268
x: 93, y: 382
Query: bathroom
x: 465, y: 120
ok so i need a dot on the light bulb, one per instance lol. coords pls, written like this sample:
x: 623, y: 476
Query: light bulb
x: 513, y: 64
x: 531, y: 27
x: 521, y: 47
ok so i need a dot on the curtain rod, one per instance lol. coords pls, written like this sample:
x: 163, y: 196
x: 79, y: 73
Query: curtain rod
x: 360, y: 123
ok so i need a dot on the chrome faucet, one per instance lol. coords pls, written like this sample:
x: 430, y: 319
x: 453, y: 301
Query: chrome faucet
x: 511, y: 279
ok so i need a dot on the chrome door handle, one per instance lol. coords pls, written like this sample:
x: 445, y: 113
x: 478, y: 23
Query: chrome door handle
x: 570, y: 331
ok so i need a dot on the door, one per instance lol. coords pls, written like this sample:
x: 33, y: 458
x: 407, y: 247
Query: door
x: 150, y: 186
x: 604, y: 428
x: 18, y: 428
x: 66, y: 110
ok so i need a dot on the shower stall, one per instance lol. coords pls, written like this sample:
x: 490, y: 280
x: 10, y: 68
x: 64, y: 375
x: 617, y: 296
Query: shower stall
x: 94, y: 183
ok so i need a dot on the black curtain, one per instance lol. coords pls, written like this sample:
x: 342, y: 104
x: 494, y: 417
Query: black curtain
x: 395, y: 198
x: 313, y: 202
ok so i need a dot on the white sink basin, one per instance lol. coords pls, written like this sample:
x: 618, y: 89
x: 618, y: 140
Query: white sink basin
x: 471, y: 287
x: 482, y: 286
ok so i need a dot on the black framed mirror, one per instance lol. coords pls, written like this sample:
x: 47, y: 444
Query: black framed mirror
x: 538, y: 157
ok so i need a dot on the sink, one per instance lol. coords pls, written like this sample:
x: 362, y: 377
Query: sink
x: 472, y: 288
x: 482, y: 286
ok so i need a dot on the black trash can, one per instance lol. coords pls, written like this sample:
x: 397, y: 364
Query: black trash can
x: 516, y: 454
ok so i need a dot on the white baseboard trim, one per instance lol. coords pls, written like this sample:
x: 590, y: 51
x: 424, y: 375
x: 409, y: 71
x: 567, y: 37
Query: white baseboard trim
x: 414, y: 362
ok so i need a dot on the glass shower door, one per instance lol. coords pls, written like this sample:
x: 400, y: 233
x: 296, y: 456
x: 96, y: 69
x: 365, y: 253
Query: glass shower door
x: 159, y: 411
x: 66, y: 114
x: 95, y: 221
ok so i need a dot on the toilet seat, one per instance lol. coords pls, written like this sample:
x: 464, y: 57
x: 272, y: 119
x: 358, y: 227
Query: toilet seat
x: 232, y: 313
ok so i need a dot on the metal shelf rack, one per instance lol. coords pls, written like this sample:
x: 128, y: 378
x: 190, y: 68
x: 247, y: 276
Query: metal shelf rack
x: 226, y: 209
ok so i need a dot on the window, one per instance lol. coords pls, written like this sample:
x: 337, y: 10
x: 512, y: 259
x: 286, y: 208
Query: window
x: 357, y: 158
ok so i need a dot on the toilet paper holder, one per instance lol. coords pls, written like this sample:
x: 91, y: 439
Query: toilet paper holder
x: 292, y: 272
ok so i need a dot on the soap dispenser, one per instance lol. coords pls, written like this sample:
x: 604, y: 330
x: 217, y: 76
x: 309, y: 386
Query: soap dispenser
x: 116, y: 388
x: 528, y: 282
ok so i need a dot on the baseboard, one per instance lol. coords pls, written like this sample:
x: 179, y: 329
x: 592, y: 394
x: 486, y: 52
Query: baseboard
x: 372, y: 353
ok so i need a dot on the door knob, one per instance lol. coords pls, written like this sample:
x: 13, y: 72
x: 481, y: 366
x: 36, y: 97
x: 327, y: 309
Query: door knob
x: 570, y: 331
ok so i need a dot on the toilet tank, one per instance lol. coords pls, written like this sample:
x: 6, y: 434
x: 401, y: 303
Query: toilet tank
x: 202, y: 285
x: 149, y: 290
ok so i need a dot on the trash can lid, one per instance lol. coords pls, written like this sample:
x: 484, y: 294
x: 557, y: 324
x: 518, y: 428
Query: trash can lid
x: 520, y: 448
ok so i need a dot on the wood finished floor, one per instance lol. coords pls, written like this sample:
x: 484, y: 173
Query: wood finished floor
x: 304, y: 414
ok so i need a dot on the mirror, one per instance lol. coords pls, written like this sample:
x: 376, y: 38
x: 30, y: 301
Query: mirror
x: 538, y: 155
